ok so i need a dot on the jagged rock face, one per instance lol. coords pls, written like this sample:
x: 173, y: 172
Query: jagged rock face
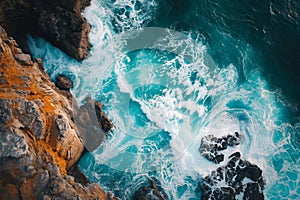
x: 39, y: 140
x: 58, y: 21
x: 238, y: 179
x: 62, y: 23
x: 211, y: 146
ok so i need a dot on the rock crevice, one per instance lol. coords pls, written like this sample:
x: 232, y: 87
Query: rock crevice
x: 59, y: 22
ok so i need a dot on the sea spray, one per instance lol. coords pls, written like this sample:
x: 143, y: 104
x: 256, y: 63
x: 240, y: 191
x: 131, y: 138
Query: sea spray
x: 163, y: 104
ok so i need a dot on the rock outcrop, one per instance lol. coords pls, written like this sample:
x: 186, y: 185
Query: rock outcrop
x: 149, y: 193
x: 237, y: 179
x: 211, y: 146
x: 59, y: 22
x: 63, y: 82
x: 39, y: 140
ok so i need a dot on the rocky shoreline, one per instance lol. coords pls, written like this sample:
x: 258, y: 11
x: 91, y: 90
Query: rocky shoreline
x: 40, y: 143
x: 59, y: 22
x: 43, y: 133
x: 39, y: 140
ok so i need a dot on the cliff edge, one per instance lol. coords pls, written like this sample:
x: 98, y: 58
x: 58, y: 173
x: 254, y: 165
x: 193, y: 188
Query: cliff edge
x: 58, y: 21
x: 39, y: 141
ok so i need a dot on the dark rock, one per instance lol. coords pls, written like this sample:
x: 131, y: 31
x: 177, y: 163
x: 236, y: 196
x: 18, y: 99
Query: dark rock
x: 252, y: 192
x: 149, y: 193
x: 224, y: 193
x: 59, y: 22
x: 93, y: 124
x: 63, y: 25
x: 236, y: 155
x: 103, y: 120
x: 218, y: 158
x: 232, y: 177
x: 63, y: 82
x: 253, y: 172
x: 210, y: 146
x: 233, y: 140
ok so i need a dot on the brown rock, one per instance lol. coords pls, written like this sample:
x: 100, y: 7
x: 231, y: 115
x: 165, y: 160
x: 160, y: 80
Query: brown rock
x: 59, y: 22
x: 149, y: 193
x: 103, y: 120
x: 92, y: 123
x: 63, y: 82
x: 62, y: 24
x: 39, y: 141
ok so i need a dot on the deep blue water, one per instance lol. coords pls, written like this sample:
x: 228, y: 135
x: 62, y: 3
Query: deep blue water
x: 236, y: 69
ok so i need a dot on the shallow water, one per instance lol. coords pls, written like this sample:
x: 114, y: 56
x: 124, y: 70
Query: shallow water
x: 163, y: 100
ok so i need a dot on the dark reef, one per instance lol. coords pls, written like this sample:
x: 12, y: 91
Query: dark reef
x: 237, y: 179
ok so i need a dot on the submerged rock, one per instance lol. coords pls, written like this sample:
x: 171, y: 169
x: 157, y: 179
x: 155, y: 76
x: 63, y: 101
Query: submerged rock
x: 103, y: 120
x: 211, y: 146
x: 239, y: 179
x: 149, y: 193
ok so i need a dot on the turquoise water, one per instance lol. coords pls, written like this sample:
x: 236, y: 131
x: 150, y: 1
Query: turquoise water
x: 163, y: 103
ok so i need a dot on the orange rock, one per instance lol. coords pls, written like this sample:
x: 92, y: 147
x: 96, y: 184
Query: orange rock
x: 39, y: 141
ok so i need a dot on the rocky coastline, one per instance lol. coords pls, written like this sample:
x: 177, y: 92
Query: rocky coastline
x: 40, y: 143
x: 42, y: 130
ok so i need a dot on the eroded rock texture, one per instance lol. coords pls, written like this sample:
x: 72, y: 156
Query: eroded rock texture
x: 58, y: 21
x: 39, y: 141
x: 239, y: 179
x: 211, y: 146
x: 150, y: 192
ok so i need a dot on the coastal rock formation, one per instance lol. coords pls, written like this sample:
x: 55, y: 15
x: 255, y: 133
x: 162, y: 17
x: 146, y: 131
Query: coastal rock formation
x: 63, y: 82
x: 92, y: 124
x: 62, y: 24
x: 39, y: 140
x: 211, y: 146
x: 239, y: 179
x: 149, y: 193
x: 59, y: 22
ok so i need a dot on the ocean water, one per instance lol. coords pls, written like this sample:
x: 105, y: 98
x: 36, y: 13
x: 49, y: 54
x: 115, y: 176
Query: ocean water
x: 210, y: 70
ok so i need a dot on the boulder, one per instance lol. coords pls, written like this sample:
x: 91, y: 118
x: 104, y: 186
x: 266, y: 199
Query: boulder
x: 63, y: 82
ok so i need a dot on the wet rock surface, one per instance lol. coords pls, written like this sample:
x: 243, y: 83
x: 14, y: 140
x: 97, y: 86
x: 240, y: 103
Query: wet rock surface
x: 238, y: 179
x: 39, y: 140
x: 149, y: 193
x: 59, y: 22
x: 92, y: 123
x: 63, y: 82
x: 103, y: 120
x: 211, y: 146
